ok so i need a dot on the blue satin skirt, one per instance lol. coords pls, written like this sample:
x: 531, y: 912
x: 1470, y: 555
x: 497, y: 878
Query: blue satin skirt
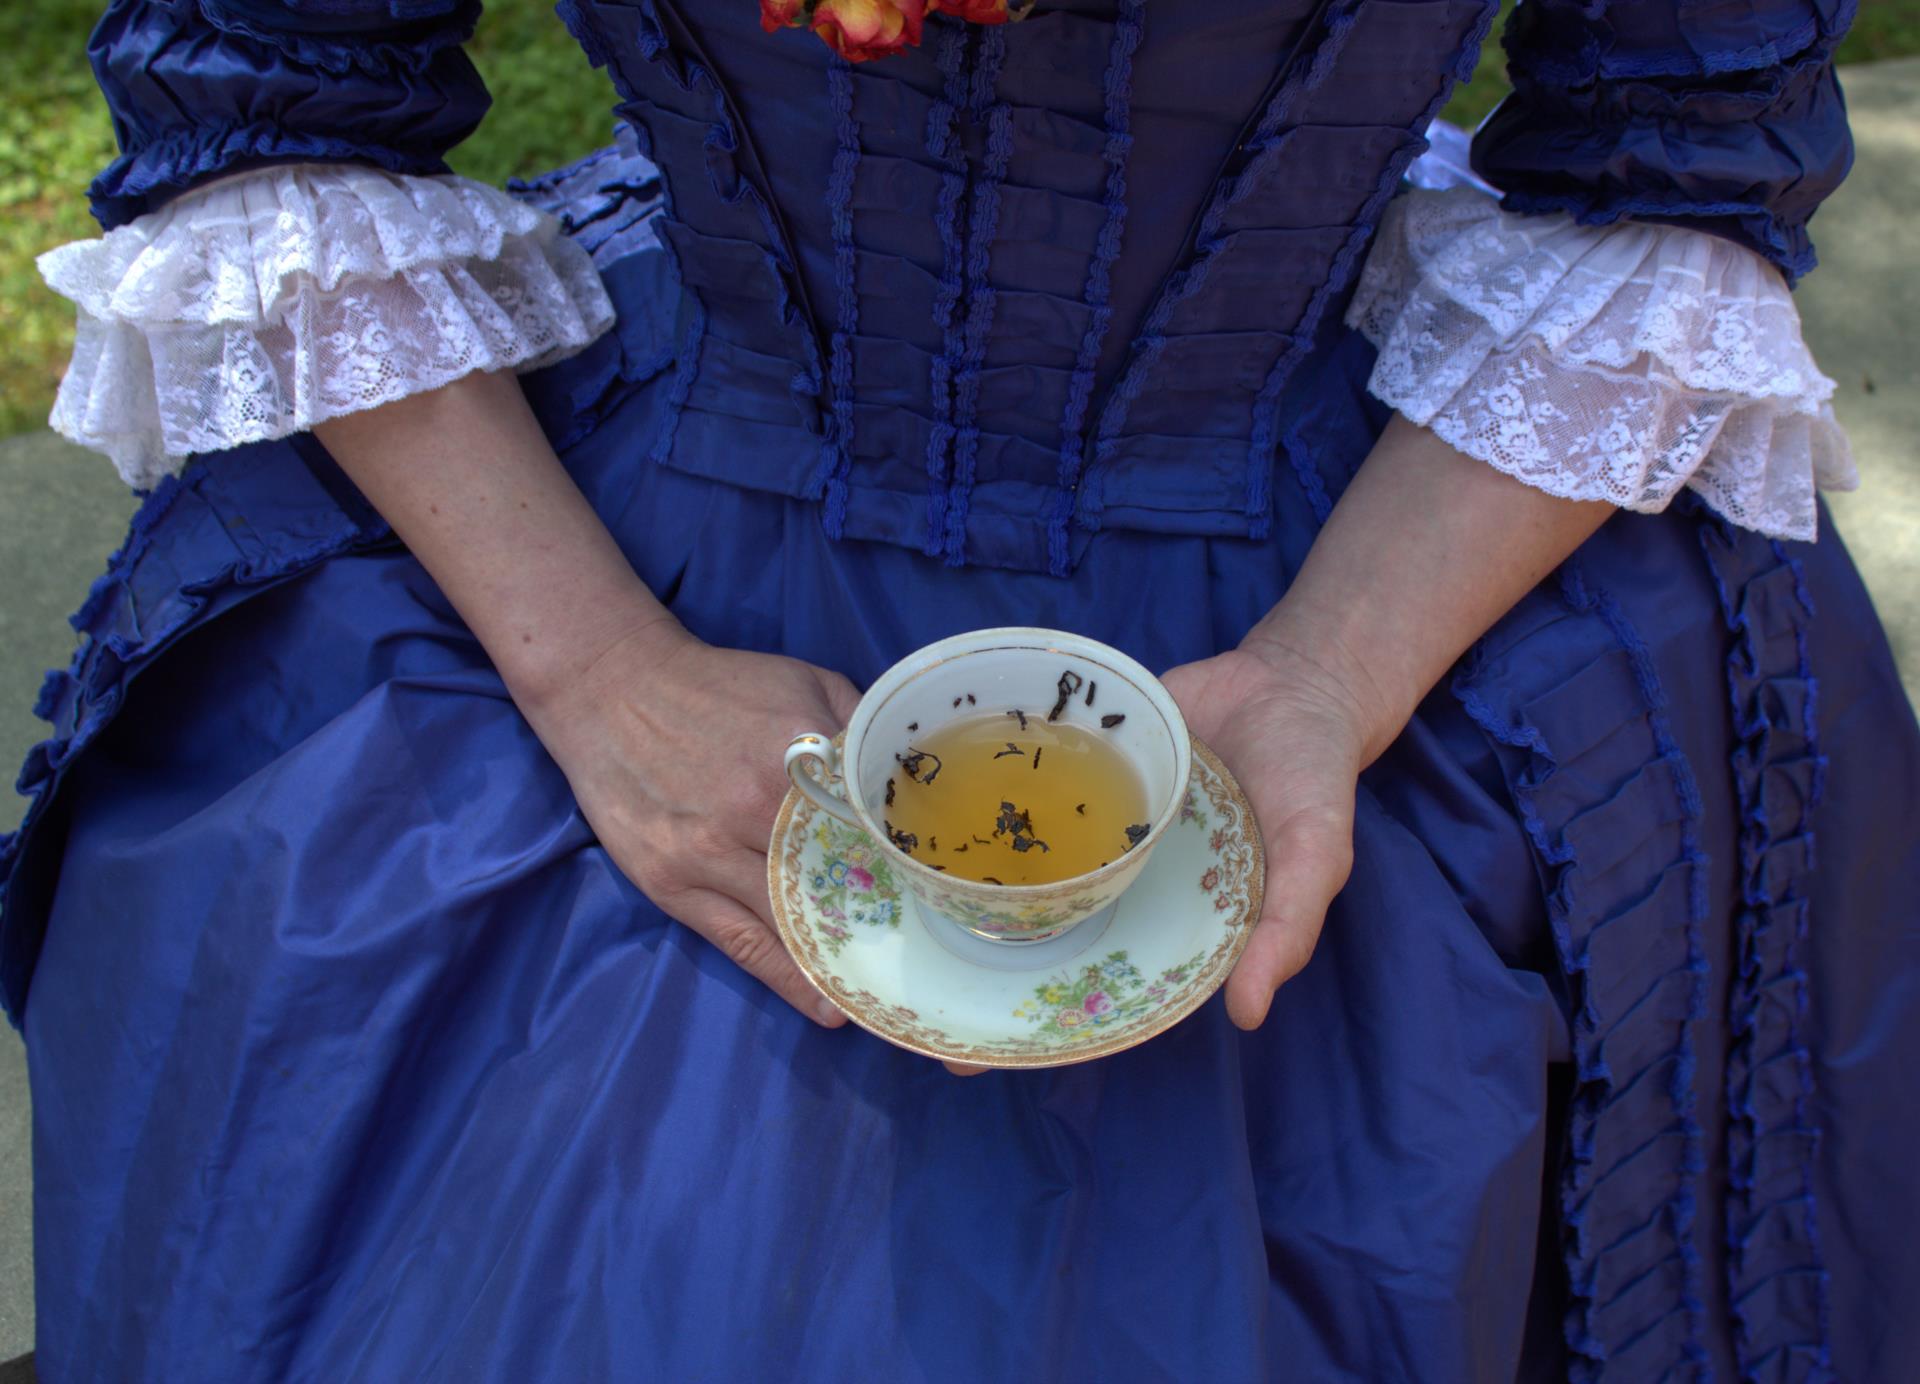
x: 355, y: 1057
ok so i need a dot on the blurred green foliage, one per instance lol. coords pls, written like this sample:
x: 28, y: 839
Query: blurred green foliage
x: 549, y: 107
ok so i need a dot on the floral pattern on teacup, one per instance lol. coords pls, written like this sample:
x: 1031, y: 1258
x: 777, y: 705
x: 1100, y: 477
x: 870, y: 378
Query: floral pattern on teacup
x: 851, y: 885
x: 1074, y: 1006
x: 1026, y: 921
x: 1190, y: 809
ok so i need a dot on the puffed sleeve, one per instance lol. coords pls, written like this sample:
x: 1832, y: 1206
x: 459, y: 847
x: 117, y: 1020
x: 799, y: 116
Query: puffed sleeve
x: 284, y: 241
x: 1618, y: 324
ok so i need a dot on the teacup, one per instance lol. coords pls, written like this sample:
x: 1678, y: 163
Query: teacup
x: 991, y: 669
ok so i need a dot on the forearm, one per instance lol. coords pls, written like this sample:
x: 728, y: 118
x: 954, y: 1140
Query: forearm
x: 1427, y: 548
x: 468, y: 480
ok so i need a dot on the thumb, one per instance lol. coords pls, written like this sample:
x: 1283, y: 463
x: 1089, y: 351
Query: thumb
x: 1309, y: 857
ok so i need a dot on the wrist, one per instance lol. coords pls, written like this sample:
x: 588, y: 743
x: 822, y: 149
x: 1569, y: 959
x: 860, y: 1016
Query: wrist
x: 552, y: 688
x: 1325, y: 651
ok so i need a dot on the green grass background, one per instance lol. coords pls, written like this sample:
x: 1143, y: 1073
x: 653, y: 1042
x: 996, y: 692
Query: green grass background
x: 549, y: 107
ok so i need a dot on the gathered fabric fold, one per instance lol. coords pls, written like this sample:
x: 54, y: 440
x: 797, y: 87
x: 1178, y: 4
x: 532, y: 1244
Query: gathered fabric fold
x: 267, y: 302
x: 1620, y: 363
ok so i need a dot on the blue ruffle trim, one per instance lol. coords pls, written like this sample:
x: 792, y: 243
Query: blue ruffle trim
x: 1776, y: 1274
x: 944, y: 147
x: 982, y: 226
x: 136, y: 183
x: 1786, y: 244
x: 1612, y: 807
x: 1613, y: 811
x: 142, y: 603
x: 1097, y: 294
x: 846, y: 161
x: 1613, y: 116
x: 339, y: 51
x: 1573, y: 42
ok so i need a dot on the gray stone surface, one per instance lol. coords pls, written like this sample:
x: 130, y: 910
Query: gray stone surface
x: 62, y: 511
x: 1861, y: 312
x: 16, y: 1211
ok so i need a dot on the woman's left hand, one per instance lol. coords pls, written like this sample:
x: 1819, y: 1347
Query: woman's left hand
x: 1296, y: 735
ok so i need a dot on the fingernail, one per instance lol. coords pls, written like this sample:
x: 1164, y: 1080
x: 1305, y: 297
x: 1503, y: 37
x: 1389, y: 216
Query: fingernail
x: 828, y: 1013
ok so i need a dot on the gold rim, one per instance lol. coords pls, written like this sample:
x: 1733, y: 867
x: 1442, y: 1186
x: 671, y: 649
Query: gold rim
x: 902, y: 1027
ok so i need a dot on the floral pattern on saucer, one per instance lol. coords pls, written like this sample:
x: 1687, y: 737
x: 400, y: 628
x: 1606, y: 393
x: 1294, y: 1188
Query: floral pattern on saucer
x: 851, y: 885
x: 855, y: 931
x: 1075, y: 1006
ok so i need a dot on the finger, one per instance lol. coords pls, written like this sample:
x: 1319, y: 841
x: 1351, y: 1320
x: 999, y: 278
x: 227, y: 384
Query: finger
x: 735, y: 872
x: 757, y: 950
x: 1308, y: 860
x: 965, y: 1068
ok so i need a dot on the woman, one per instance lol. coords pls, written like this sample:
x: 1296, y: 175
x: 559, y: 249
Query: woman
x: 389, y: 930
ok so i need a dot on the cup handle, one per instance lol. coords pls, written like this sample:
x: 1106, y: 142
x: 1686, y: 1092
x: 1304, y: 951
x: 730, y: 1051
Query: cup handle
x: 821, y: 749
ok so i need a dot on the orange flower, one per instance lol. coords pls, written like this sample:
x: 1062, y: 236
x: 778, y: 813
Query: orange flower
x: 855, y: 29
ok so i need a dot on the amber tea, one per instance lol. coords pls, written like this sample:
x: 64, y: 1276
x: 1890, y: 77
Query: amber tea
x: 1014, y: 798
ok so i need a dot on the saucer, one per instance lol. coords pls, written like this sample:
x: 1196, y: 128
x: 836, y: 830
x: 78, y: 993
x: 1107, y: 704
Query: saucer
x: 923, y: 983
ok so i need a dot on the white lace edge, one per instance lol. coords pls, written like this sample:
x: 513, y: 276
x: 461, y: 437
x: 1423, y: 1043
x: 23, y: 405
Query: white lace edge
x: 1615, y: 363
x: 263, y: 304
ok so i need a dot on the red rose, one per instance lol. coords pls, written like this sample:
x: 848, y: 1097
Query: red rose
x: 861, y: 29
x: 973, y: 11
x: 781, y: 14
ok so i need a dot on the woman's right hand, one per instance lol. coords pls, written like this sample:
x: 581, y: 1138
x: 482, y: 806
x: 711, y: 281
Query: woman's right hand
x: 673, y: 748
x: 674, y: 752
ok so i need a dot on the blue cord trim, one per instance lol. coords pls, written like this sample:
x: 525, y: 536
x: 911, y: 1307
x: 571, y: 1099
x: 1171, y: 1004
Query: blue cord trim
x: 839, y: 200
x: 1300, y: 457
x: 724, y: 176
x: 1266, y: 406
x: 1770, y: 742
x: 685, y: 370
x: 981, y: 228
x: 944, y: 145
x: 1128, y: 27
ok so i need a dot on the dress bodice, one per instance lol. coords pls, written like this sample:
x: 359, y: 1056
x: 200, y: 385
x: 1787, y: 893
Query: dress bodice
x: 1028, y: 279
x: 984, y: 298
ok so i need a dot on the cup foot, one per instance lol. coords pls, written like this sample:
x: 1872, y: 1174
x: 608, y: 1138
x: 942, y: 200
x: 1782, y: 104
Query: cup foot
x: 1014, y: 956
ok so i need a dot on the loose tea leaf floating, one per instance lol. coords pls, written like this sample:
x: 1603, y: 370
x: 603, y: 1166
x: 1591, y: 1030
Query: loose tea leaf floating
x: 1047, y: 807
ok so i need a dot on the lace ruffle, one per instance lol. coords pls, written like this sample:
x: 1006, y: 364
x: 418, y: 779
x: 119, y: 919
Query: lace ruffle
x: 265, y: 303
x: 1615, y: 363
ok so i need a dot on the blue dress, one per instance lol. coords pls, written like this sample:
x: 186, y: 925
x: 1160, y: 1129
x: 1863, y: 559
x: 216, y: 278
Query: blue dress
x: 354, y: 1056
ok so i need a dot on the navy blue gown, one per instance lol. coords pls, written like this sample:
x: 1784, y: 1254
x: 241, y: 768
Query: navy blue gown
x: 354, y: 1056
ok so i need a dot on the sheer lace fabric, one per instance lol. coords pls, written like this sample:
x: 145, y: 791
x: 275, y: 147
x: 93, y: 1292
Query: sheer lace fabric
x: 270, y: 301
x: 1614, y: 363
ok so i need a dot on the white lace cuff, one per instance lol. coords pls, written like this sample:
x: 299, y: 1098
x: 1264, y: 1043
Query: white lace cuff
x: 1614, y: 363
x: 270, y: 301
